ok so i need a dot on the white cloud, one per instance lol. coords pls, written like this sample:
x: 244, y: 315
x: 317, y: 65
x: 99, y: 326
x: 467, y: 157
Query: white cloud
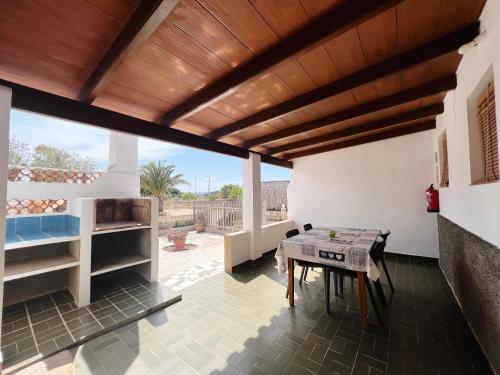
x: 150, y: 149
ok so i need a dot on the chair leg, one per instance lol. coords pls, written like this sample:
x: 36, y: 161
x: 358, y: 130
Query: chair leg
x: 380, y: 292
x: 305, y: 274
x: 302, y: 275
x: 387, y: 274
x: 374, y: 303
x: 326, y: 274
x: 341, y: 282
x: 335, y: 283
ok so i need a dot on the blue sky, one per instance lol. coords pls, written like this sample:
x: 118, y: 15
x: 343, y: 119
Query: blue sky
x: 93, y: 142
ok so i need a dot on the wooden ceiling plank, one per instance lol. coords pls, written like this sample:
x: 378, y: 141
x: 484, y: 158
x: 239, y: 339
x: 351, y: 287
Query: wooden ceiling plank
x: 327, y: 26
x: 145, y: 20
x: 400, y: 118
x: 32, y: 100
x: 414, y: 128
x: 418, y: 55
x: 432, y: 88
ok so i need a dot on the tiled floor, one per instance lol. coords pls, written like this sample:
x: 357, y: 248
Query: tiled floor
x: 205, y: 249
x: 241, y: 323
x: 45, y: 325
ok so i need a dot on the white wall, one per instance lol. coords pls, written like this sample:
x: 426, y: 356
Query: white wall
x: 475, y: 208
x: 237, y: 245
x: 379, y: 185
x: 120, y: 181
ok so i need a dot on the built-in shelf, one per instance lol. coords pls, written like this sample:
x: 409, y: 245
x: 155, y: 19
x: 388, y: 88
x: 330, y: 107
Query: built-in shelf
x: 115, y: 263
x: 40, y: 242
x: 121, y: 226
x: 37, y: 265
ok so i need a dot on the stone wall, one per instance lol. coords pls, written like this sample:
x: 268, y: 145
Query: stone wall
x: 472, y: 268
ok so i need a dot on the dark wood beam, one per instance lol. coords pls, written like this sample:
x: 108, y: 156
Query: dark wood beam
x: 331, y: 24
x: 400, y: 118
x: 29, y: 99
x: 415, y: 56
x: 428, y: 89
x: 145, y: 20
x: 423, y: 126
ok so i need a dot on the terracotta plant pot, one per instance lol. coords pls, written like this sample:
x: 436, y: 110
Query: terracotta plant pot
x: 200, y: 228
x: 180, y: 244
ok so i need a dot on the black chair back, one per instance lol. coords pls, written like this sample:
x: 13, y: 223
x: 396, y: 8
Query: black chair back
x: 308, y: 226
x: 292, y: 233
x: 377, y: 251
x: 385, y: 235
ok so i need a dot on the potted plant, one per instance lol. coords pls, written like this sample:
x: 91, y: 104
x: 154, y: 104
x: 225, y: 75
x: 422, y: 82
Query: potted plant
x: 200, y: 222
x: 178, y: 237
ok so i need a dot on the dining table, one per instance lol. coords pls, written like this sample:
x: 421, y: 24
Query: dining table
x: 346, y: 248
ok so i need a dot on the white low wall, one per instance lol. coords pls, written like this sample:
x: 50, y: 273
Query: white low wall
x: 379, y: 185
x: 237, y: 244
x: 273, y: 233
x: 121, y: 180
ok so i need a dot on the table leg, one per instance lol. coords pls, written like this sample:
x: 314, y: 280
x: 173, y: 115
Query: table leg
x: 291, y: 266
x: 362, y: 301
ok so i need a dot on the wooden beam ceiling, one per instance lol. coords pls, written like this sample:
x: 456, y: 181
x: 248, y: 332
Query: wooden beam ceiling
x: 331, y: 24
x: 428, y: 89
x: 145, y: 20
x: 29, y: 99
x: 438, y: 47
x: 423, y: 126
x: 400, y: 118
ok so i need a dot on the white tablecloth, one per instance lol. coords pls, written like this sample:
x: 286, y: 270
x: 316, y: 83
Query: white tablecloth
x: 350, y: 249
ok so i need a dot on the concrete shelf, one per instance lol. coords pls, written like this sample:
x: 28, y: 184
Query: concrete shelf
x: 37, y: 265
x: 116, y: 263
x: 119, y: 227
x: 45, y: 241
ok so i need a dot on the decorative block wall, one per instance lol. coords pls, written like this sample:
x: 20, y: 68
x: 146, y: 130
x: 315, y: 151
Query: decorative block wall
x: 28, y: 174
x: 35, y: 206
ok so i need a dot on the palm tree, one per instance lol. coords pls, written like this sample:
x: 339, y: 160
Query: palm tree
x: 158, y: 178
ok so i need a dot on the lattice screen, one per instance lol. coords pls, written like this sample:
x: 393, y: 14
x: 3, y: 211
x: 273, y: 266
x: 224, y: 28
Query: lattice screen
x: 35, y: 206
x: 28, y: 174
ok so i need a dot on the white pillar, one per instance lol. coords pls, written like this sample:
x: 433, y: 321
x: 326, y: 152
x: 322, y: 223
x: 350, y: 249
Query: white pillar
x: 5, y: 102
x: 123, y: 153
x: 252, y: 203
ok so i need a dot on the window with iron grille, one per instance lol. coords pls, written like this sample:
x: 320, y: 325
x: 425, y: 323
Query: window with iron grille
x: 488, y: 127
x: 443, y: 161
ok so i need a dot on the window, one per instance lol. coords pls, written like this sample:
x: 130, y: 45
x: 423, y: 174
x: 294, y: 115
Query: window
x: 483, y: 139
x: 488, y: 127
x: 443, y: 160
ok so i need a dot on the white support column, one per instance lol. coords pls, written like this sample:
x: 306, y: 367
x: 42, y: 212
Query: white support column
x: 123, y: 153
x: 5, y: 103
x: 252, y: 203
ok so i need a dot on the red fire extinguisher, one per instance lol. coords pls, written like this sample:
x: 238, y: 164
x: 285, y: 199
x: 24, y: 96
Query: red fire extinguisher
x: 432, y: 199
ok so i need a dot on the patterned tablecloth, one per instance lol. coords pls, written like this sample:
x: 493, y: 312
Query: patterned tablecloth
x: 350, y: 249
